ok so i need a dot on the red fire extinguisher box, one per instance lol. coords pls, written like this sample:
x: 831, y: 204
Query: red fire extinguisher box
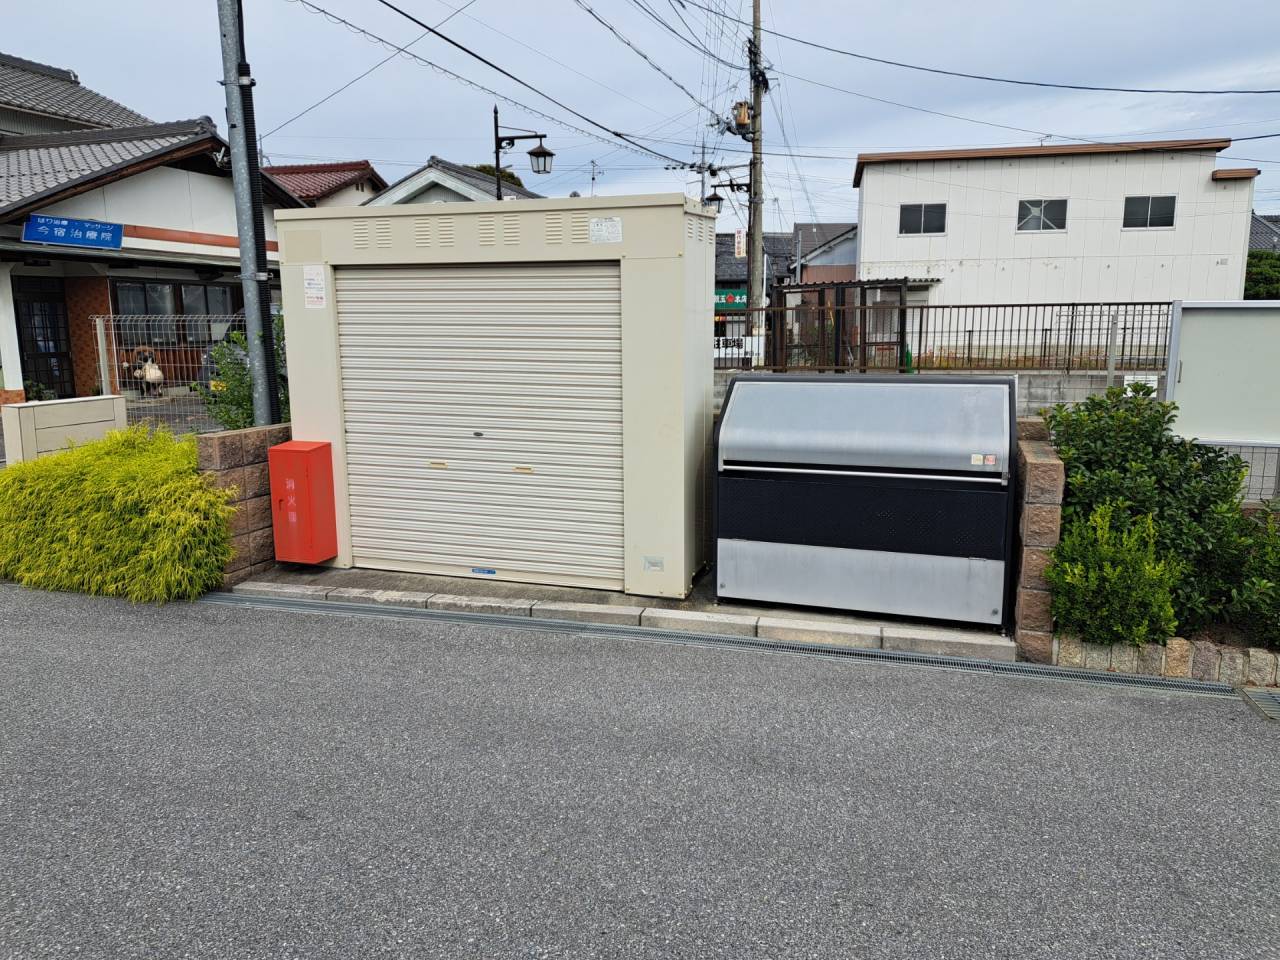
x: 302, y: 511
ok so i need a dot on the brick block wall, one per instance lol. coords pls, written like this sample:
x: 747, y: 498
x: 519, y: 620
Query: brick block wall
x: 87, y: 297
x: 12, y: 396
x: 238, y: 458
x: 1041, y: 479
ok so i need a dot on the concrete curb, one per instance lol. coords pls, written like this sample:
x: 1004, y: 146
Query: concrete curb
x: 938, y: 641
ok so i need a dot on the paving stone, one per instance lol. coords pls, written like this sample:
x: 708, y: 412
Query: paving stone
x: 949, y: 643
x: 1035, y: 645
x: 587, y: 612
x: 390, y: 598
x: 241, y: 550
x: 1150, y: 659
x: 512, y: 608
x: 1097, y: 656
x: 1040, y: 471
x: 1177, y: 657
x: 262, y: 545
x: 1070, y: 651
x: 258, y: 512
x: 257, y: 481
x: 730, y: 624
x: 1262, y: 667
x: 1232, y: 666
x: 1033, y: 610
x: 817, y: 631
x: 1032, y: 428
x: 1124, y: 658
x: 1041, y: 524
x: 290, y: 591
x: 1034, y: 562
x: 1205, y: 659
x: 232, y: 479
x: 219, y: 451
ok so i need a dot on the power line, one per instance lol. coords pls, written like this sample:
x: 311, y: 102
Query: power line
x: 511, y: 76
x: 641, y: 54
x: 361, y: 76
x: 546, y: 56
x: 978, y: 76
x: 334, y: 18
x: 653, y: 15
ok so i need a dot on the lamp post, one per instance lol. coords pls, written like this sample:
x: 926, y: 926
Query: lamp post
x: 539, y: 157
x: 716, y: 202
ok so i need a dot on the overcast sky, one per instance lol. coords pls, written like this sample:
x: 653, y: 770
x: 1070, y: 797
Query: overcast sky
x: 161, y: 57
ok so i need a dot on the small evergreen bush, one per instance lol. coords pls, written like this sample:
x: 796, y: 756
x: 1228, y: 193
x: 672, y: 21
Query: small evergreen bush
x: 1109, y: 586
x: 229, y: 395
x: 126, y: 516
x: 1119, y: 449
x: 1255, y: 603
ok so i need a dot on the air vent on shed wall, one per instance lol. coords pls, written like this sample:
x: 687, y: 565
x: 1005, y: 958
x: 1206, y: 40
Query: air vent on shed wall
x: 360, y: 234
x: 555, y: 227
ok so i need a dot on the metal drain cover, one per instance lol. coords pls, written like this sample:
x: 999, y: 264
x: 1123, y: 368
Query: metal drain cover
x: 1265, y: 699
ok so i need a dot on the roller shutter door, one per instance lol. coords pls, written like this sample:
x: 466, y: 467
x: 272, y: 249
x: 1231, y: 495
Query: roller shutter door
x: 483, y: 419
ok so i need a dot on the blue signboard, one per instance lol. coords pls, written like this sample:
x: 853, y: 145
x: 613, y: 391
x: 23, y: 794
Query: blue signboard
x: 65, y: 232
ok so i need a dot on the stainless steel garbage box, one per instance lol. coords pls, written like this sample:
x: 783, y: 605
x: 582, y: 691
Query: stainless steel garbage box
x: 889, y: 495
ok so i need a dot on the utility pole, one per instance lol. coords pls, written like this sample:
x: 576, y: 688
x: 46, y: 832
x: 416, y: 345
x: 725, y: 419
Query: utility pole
x: 755, y: 208
x: 497, y: 155
x: 246, y: 183
x: 595, y: 172
x: 702, y: 172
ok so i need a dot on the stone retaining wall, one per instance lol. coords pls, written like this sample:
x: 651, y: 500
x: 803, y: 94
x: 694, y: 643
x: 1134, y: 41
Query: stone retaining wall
x: 1041, y: 480
x: 1180, y: 658
x: 238, y: 459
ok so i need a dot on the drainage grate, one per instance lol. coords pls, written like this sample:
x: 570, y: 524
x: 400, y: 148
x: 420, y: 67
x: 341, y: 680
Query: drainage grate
x: 652, y: 635
x: 1267, y: 701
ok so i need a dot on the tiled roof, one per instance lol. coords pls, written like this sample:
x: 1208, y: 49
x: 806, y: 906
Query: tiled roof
x: 55, y: 92
x: 777, y: 248
x: 32, y: 167
x: 473, y: 178
x: 315, y: 181
x: 809, y: 236
x: 1264, y: 232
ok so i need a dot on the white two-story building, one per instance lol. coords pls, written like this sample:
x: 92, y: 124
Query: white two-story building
x: 1135, y: 222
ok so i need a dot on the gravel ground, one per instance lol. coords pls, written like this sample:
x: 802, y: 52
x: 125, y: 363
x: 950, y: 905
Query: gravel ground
x: 212, y: 782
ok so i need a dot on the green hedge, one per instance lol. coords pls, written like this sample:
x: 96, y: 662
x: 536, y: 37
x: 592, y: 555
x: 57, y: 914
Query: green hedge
x: 127, y: 516
x: 1109, y: 586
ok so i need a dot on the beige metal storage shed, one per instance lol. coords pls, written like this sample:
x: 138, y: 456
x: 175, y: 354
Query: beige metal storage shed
x: 513, y: 390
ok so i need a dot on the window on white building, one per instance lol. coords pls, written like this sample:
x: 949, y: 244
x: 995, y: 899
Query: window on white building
x: 1042, y: 214
x: 922, y: 218
x: 1148, y: 211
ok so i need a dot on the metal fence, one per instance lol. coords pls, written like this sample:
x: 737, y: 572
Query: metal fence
x: 1065, y: 337
x: 164, y: 366
x: 1263, y: 479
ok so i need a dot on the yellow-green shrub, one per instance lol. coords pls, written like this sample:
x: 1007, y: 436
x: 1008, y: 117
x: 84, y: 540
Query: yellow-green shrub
x: 126, y: 516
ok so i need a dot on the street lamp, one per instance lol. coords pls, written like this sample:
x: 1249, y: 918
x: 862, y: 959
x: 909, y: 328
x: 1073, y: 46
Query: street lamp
x: 539, y: 156
x: 715, y: 202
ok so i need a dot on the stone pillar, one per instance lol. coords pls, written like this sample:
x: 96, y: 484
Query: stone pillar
x: 238, y: 459
x: 1041, y: 478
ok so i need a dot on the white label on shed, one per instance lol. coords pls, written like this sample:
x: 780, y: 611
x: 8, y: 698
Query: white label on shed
x: 315, y: 292
x: 606, y: 230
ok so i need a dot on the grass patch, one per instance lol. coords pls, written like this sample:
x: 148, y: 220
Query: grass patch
x: 126, y: 516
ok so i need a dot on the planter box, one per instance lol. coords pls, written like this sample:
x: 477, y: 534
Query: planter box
x: 36, y: 429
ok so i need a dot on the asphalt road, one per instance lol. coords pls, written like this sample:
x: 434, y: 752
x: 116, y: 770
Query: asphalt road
x: 208, y: 782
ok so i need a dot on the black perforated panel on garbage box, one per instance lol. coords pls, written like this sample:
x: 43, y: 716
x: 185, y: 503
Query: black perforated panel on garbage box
x: 901, y: 514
